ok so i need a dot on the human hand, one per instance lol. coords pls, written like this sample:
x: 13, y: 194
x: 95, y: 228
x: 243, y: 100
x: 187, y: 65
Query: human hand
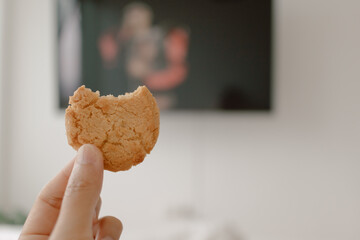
x: 68, y: 206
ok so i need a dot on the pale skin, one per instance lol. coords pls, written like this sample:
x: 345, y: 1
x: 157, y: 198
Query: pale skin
x: 68, y: 206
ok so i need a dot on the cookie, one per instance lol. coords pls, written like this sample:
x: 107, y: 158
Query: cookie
x: 124, y: 128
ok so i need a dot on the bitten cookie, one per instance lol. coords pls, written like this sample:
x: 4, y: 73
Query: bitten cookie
x: 124, y: 128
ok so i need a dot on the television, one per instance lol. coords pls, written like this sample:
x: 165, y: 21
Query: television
x: 192, y: 55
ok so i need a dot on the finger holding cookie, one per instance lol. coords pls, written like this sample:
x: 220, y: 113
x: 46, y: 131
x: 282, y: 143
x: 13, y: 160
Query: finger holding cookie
x: 68, y: 206
x: 109, y: 133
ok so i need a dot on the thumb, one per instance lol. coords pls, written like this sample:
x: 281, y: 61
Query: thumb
x: 81, y: 194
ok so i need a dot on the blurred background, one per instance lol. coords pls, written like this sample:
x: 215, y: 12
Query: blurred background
x: 288, y: 173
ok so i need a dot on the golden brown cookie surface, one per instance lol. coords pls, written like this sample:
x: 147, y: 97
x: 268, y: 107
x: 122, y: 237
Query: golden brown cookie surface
x: 124, y: 128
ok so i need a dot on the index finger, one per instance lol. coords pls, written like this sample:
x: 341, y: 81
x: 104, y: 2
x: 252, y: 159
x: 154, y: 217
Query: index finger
x: 45, y: 211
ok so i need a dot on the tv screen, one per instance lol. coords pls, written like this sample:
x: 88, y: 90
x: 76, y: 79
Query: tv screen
x: 203, y: 54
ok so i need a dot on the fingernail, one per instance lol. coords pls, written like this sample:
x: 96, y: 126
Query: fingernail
x: 88, y: 154
x: 107, y: 238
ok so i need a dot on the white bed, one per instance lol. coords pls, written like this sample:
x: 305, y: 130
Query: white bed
x: 176, y: 231
x: 9, y: 232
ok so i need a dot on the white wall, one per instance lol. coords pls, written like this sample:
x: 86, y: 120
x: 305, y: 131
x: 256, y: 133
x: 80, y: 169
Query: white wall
x: 288, y: 174
x: 2, y: 184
